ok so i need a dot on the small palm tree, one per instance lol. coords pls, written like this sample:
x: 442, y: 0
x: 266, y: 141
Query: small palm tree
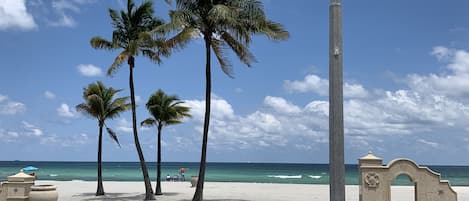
x: 165, y: 110
x: 101, y: 104
x: 223, y: 24
x: 132, y: 33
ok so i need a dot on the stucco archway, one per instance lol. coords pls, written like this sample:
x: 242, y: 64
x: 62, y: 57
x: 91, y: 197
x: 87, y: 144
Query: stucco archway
x: 376, y: 178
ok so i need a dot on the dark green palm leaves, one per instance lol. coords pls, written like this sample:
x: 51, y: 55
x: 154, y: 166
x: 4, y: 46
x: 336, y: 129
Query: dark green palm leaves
x: 226, y: 24
x: 101, y: 104
x: 165, y: 109
x: 132, y: 33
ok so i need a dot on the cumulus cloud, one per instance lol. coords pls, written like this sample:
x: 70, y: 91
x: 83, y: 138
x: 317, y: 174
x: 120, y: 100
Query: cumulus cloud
x: 49, y: 95
x: 65, y: 111
x: 274, y: 124
x: 420, y: 109
x: 316, y: 84
x: 123, y: 125
x: 65, y: 141
x: 14, y: 16
x: 32, y: 129
x: 9, y: 107
x: 64, y: 10
x: 281, y: 105
x: 89, y: 70
x: 311, y: 83
x: 8, y: 136
x: 452, y: 83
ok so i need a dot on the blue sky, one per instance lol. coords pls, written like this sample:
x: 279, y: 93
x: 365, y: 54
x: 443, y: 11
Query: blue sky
x: 406, y: 73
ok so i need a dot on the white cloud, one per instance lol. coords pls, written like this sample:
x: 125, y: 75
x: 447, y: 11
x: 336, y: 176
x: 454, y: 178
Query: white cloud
x: 67, y: 141
x: 311, y: 83
x: 89, y: 70
x: 65, y: 111
x: 13, y: 15
x: 49, y: 95
x: 281, y: 105
x: 8, y: 107
x: 64, y: 21
x: 138, y: 99
x: 124, y: 126
x: 453, y: 83
x: 65, y: 5
x: 8, y: 136
x: 429, y: 143
x: 354, y: 91
x: 32, y: 129
x: 316, y: 84
x: 220, y: 108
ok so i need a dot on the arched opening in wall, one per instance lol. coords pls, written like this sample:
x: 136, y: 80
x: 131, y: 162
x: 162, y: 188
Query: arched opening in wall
x: 403, y: 189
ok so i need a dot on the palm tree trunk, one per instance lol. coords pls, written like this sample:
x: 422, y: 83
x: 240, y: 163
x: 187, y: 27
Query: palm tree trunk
x: 158, y: 172
x: 336, y: 114
x: 208, y: 89
x: 148, y: 190
x: 100, y: 189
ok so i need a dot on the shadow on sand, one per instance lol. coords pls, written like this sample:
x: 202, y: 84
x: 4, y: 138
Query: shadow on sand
x: 118, y: 196
x: 130, y: 196
x: 220, y: 200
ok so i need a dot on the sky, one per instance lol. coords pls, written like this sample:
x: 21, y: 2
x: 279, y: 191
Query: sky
x: 406, y: 85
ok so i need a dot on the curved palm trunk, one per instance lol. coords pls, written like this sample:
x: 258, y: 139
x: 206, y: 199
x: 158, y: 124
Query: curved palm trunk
x: 100, y: 189
x: 158, y: 172
x: 148, y: 190
x: 208, y: 89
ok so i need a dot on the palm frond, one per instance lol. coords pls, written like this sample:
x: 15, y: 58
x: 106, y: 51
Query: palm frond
x: 241, y: 51
x: 118, y: 61
x: 274, y: 31
x: 181, y: 39
x: 153, y: 56
x: 221, y: 15
x: 101, y: 43
x: 219, y: 48
x: 113, y: 135
x: 86, y: 110
x: 172, y: 122
x: 148, y: 122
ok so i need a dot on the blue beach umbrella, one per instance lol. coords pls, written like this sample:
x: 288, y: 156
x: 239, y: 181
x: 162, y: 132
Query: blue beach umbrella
x: 30, y: 168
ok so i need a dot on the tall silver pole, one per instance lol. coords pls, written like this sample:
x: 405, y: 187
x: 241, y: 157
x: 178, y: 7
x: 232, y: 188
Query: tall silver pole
x: 336, y: 114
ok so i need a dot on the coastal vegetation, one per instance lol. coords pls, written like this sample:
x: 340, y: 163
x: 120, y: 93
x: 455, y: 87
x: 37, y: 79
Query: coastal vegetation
x: 165, y: 110
x: 101, y: 104
x: 132, y: 33
x: 223, y: 24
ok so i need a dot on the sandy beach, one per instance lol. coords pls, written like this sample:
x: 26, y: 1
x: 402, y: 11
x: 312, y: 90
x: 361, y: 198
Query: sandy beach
x: 222, y: 191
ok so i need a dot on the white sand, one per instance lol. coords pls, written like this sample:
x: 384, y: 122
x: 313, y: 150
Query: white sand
x: 220, y: 191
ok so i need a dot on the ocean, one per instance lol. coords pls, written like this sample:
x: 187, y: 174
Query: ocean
x: 216, y: 172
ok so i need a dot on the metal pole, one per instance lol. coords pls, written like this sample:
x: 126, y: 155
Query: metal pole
x: 336, y: 114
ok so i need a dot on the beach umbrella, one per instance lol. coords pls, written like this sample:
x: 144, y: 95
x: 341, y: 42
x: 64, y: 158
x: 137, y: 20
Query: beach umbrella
x: 30, y: 168
x: 182, y: 170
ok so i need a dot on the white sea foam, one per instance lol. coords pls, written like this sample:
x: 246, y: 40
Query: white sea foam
x: 314, y: 176
x: 286, y: 176
x: 53, y: 175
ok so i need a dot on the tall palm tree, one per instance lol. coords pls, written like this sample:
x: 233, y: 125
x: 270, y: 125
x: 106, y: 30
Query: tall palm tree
x: 101, y: 104
x: 165, y: 110
x: 132, y: 33
x: 223, y: 24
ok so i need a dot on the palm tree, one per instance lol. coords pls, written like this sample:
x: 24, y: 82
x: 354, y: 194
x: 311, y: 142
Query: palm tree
x: 101, y: 104
x: 223, y: 24
x: 132, y: 34
x: 165, y: 110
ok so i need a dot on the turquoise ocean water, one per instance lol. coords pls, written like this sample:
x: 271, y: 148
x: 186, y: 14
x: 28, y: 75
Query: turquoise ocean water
x: 217, y: 172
